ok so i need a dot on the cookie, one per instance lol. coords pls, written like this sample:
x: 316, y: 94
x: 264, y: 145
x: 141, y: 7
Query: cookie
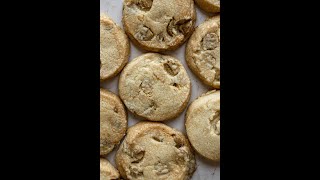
x: 107, y: 171
x: 211, y: 6
x: 203, y: 52
x: 113, y: 121
x: 203, y: 125
x: 155, y: 151
x: 159, y: 25
x: 155, y: 87
x: 114, y: 48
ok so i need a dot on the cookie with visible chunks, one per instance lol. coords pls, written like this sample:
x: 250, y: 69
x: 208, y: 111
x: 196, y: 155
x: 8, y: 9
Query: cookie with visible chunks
x: 155, y: 151
x: 203, y: 52
x: 113, y: 121
x: 155, y: 87
x: 159, y: 25
x: 203, y: 125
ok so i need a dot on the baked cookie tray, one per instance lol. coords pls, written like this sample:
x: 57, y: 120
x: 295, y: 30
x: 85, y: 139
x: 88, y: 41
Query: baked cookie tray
x: 206, y: 170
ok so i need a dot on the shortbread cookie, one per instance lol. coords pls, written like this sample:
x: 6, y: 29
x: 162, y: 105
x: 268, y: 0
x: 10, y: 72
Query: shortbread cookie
x: 107, y: 171
x: 203, y: 125
x: 155, y: 151
x: 203, y: 52
x: 211, y: 6
x: 113, y: 121
x: 114, y: 48
x: 155, y: 87
x: 159, y: 25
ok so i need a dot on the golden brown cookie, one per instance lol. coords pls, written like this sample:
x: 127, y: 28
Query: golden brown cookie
x: 113, y: 121
x: 155, y: 87
x: 159, y: 25
x: 211, y: 6
x: 203, y: 52
x: 114, y: 48
x: 155, y: 151
x: 203, y: 125
x: 107, y: 171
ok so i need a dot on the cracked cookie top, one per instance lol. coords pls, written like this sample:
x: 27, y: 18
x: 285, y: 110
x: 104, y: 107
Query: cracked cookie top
x: 114, y: 48
x: 155, y: 151
x: 203, y: 115
x: 107, y: 171
x: 113, y: 121
x: 159, y: 25
x: 203, y: 52
x: 155, y: 87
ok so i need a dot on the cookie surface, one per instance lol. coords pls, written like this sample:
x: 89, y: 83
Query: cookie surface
x: 159, y: 25
x: 203, y: 52
x: 155, y: 87
x: 113, y: 121
x: 211, y: 6
x: 155, y: 151
x: 107, y: 171
x: 203, y: 125
x: 114, y: 48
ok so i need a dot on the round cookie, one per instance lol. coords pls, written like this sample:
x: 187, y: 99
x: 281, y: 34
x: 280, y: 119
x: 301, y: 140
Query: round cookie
x: 113, y: 121
x: 155, y: 87
x: 159, y: 25
x: 107, y: 171
x: 114, y: 48
x: 203, y: 52
x: 203, y: 125
x: 155, y: 151
x: 211, y: 6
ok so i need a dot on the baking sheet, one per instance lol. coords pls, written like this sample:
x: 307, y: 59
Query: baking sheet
x: 206, y: 170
